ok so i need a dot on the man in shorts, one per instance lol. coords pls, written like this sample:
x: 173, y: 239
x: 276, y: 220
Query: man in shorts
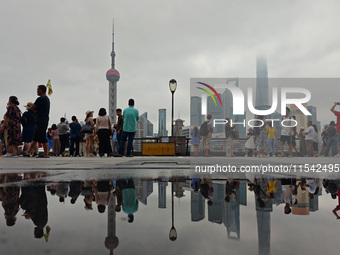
x: 41, y: 107
x: 286, y: 134
x: 337, y: 114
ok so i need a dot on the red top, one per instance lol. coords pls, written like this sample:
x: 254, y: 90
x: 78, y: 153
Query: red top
x: 338, y: 206
x: 337, y: 114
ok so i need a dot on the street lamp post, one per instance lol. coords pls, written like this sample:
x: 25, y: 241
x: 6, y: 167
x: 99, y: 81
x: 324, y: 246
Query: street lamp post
x: 172, y: 86
x: 173, y: 231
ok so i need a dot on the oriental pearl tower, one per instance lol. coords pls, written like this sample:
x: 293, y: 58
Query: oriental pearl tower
x: 112, y: 75
x: 111, y: 241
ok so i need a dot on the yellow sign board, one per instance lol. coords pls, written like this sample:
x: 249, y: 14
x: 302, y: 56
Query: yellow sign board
x: 158, y: 149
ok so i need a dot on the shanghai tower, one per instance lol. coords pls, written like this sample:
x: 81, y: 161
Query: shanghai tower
x: 262, y: 94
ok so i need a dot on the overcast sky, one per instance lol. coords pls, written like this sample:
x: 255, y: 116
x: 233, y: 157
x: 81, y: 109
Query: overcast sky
x: 69, y: 42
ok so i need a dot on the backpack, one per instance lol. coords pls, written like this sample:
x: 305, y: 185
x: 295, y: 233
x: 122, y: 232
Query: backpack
x: 204, y: 130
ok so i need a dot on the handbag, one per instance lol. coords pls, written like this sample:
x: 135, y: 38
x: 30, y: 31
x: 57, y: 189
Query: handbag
x: 87, y: 128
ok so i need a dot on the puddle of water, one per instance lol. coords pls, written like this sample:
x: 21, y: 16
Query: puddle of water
x: 167, y: 216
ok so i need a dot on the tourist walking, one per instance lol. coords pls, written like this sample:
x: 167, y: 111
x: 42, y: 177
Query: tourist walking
x: 63, y: 129
x: 303, y: 148
x: 89, y: 133
x: 104, y: 131
x: 206, y: 131
x: 286, y: 134
x: 271, y: 139
x: 75, y: 136
x: 12, y: 124
x: 261, y: 136
x: 119, y: 126
x: 324, y: 137
x: 130, y: 118
x: 293, y: 135
x: 42, y: 108
x: 55, y: 140
x: 195, y: 140
x: 250, y: 142
x: 28, y: 124
x: 316, y: 141
x: 228, y: 130
x: 337, y: 114
x: 309, y: 136
x: 331, y: 140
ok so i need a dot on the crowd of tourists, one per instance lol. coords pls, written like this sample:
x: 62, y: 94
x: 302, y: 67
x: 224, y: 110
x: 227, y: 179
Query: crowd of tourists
x: 262, y: 139
x: 21, y: 134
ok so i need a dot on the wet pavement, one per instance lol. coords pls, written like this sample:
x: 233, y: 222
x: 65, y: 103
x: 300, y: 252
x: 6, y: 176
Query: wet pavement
x: 57, y: 213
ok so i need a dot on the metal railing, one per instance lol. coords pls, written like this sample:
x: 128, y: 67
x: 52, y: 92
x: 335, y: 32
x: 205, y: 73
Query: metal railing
x: 218, y: 146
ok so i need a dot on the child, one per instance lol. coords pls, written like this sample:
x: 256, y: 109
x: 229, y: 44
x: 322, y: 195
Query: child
x: 55, y: 140
x: 115, y: 141
x: 250, y: 142
x: 272, y: 187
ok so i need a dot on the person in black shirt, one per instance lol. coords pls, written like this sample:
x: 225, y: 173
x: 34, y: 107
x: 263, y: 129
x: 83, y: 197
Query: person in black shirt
x: 41, y: 107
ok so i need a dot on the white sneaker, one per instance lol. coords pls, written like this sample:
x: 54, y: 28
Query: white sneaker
x: 273, y: 156
x: 246, y: 156
x: 337, y: 156
x: 6, y: 155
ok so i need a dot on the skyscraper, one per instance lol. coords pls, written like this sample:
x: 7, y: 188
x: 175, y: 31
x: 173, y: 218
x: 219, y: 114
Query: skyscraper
x: 314, y: 117
x: 112, y: 75
x: 197, y: 206
x: 162, y: 122
x: 162, y: 194
x: 196, y: 111
x: 144, y: 126
x: 144, y: 188
x: 262, y: 101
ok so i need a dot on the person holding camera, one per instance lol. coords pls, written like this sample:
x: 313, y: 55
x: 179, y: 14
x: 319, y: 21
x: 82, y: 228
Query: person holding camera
x: 337, y: 114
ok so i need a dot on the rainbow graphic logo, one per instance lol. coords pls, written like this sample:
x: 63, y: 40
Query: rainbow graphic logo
x: 209, y: 93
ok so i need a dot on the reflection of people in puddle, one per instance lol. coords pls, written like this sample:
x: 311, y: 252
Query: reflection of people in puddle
x: 10, y: 198
x: 288, y: 194
x: 75, y: 190
x: 207, y: 190
x: 230, y: 189
x: 126, y: 197
x: 34, y: 201
x: 272, y: 187
x: 87, y: 192
x: 62, y: 191
x: 102, y: 192
x: 309, y: 185
x: 331, y: 186
x: 335, y: 185
x: 195, y: 184
x: 260, y: 186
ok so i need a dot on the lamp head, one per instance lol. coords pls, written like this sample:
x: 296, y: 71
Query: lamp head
x: 172, y: 85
